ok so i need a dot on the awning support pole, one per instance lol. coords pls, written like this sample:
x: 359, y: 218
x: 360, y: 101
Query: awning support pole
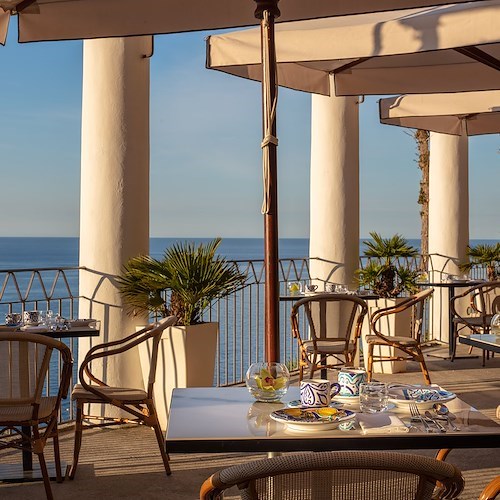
x: 267, y: 11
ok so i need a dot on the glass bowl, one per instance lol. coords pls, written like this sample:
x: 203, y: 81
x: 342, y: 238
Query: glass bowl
x: 267, y: 382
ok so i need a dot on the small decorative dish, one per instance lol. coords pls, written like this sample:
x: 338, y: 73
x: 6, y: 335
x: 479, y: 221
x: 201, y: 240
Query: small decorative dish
x: 423, y: 397
x: 296, y: 403
x: 311, y: 419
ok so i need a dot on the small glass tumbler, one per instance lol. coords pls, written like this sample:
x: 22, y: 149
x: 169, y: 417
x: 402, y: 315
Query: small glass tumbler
x: 267, y: 382
x: 294, y: 288
x: 373, y: 397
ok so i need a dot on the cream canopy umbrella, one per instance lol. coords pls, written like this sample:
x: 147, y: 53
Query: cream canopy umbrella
x: 472, y: 113
x: 443, y: 49
x: 77, y: 19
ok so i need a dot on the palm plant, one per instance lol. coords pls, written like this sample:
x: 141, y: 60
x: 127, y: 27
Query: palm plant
x: 484, y: 255
x: 183, y: 283
x: 385, y: 275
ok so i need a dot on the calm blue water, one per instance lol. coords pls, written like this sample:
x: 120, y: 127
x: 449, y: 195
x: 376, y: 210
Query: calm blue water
x: 18, y: 253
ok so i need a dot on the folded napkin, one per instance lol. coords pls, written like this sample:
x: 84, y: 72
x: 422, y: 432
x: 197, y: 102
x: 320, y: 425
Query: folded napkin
x: 33, y: 328
x: 381, y: 423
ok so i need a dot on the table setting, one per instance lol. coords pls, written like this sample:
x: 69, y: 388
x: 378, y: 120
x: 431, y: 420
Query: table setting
x: 350, y: 403
x: 46, y: 322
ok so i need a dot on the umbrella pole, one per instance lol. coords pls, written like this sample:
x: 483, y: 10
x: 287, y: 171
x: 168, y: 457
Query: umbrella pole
x: 267, y: 11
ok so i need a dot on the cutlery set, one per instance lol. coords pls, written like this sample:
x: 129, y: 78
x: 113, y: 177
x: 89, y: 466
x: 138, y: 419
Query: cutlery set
x: 433, y: 423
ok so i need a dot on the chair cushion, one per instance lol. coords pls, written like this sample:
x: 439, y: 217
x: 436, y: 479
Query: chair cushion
x: 328, y: 347
x: 405, y: 341
x: 123, y: 394
x: 472, y: 320
x: 23, y: 413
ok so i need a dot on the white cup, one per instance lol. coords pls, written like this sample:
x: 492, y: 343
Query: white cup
x: 31, y: 317
x: 317, y: 392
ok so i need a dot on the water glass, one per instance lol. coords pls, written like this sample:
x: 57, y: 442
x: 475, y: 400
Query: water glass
x: 341, y: 289
x: 47, y: 318
x: 294, y: 288
x: 373, y: 397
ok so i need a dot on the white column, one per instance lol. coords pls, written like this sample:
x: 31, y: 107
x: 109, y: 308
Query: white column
x: 334, y: 203
x: 448, y: 218
x: 114, y: 218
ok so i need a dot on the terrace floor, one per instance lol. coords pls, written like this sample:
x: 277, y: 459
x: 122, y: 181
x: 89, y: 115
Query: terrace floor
x: 124, y: 462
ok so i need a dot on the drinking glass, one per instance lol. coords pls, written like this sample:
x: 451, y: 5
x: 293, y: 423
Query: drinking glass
x: 294, y: 288
x: 373, y: 397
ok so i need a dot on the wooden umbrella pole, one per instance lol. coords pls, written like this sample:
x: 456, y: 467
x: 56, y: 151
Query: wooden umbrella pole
x: 267, y: 11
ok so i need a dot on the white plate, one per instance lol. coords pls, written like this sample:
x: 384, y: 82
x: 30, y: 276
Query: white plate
x: 347, y: 399
x: 423, y: 397
x: 311, y: 419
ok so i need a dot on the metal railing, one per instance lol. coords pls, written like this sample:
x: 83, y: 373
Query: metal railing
x: 240, y: 315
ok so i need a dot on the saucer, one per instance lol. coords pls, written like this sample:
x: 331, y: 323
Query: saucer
x: 296, y: 403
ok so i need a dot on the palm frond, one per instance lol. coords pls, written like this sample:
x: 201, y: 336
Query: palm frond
x: 193, y: 276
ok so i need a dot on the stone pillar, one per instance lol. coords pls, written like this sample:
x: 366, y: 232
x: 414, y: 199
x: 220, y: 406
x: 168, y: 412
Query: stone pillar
x: 334, y: 196
x: 448, y: 219
x: 114, y: 214
x: 334, y: 191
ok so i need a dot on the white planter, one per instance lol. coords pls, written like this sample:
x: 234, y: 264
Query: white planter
x: 394, y: 324
x: 186, y: 358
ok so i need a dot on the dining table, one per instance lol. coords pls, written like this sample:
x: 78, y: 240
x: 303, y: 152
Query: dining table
x: 451, y: 285
x: 228, y: 419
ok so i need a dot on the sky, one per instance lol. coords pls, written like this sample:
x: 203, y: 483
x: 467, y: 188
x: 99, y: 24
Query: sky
x: 205, y: 141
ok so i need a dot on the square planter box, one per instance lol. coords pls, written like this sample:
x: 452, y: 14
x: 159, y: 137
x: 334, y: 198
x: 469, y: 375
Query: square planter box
x: 186, y: 358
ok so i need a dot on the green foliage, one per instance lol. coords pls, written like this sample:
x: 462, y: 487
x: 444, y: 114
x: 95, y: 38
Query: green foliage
x: 385, y: 275
x: 193, y: 276
x: 483, y: 255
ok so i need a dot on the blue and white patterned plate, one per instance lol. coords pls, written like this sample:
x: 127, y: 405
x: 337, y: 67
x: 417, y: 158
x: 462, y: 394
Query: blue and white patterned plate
x: 311, y: 419
x: 297, y: 404
x: 423, y: 397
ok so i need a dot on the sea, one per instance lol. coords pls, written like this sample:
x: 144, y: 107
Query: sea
x: 30, y: 253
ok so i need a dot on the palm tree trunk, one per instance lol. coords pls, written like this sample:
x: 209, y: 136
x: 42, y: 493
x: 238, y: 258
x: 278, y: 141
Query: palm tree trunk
x: 422, y: 138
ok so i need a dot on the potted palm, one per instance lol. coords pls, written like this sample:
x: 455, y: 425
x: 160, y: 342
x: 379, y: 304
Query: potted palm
x: 388, y: 274
x: 483, y: 255
x: 183, y: 283
x: 384, y: 273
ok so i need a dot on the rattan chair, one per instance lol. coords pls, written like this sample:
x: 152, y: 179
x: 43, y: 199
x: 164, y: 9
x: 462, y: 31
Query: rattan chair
x: 348, y: 475
x: 483, y: 302
x: 137, y: 402
x: 409, y: 345
x: 491, y: 490
x: 333, y: 325
x: 24, y: 411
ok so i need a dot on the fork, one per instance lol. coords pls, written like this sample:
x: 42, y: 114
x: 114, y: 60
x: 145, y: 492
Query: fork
x: 416, y: 413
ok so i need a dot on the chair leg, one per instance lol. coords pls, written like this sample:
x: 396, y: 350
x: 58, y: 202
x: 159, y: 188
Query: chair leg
x: 160, y: 438
x: 455, y: 338
x: 369, y: 363
x: 57, y: 454
x: 38, y: 446
x: 78, y: 438
x: 425, y: 372
x: 442, y: 454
